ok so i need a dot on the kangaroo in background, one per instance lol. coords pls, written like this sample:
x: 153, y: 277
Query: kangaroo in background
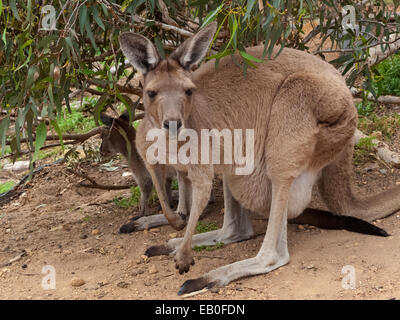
x: 113, y: 142
x: 304, y: 121
x: 115, y: 138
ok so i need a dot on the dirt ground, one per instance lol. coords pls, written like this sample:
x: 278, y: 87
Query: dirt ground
x: 75, y: 230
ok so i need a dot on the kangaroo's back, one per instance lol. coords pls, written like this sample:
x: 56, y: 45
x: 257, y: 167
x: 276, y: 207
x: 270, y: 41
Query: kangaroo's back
x: 233, y: 99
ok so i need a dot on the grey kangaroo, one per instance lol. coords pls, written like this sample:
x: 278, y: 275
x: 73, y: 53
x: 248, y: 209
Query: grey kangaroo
x: 114, y: 142
x: 303, y: 118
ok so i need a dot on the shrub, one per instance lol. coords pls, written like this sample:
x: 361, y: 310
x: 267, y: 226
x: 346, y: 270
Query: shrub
x: 387, y: 77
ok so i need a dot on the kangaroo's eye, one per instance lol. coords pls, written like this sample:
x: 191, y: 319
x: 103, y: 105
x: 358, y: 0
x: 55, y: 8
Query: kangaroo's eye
x: 188, y: 92
x: 151, y: 93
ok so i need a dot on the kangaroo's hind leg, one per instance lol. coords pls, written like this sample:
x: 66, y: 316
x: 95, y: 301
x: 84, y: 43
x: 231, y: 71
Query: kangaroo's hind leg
x: 146, y: 222
x: 236, y: 227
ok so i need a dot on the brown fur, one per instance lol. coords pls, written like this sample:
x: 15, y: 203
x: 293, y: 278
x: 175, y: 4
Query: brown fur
x: 113, y: 142
x: 304, y: 121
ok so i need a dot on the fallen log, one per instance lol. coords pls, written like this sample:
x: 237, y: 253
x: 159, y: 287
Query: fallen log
x: 382, y: 150
x: 381, y: 99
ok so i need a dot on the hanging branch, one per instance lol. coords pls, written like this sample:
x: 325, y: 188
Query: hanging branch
x: 124, y: 89
x: 78, y: 138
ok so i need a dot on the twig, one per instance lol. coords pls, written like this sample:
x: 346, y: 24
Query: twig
x: 100, y: 57
x: 165, y: 14
x: 210, y: 257
x: 352, y: 50
x: 96, y: 185
x: 18, y: 257
x: 103, y: 84
x: 99, y: 203
x: 42, y: 148
x: 166, y: 276
x: 164, y: 26
x: 94, y: 91
x: 311, y: 35
x: 261, y: 6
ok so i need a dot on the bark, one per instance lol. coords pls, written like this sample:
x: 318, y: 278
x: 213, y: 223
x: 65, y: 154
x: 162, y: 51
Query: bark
x: 382, y: 150
x: 381, y: 99
x: 377, y: 55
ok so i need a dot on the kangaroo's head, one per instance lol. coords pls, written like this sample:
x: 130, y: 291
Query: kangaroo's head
x: 168, y: 89
x: 117, y: 134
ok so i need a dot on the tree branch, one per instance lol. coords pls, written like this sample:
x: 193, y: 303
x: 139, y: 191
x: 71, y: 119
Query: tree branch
x: 165, y: 14
x: 163, y: 26
x: 124, y: 89
x: 362, y: 48
x: 78, y: 138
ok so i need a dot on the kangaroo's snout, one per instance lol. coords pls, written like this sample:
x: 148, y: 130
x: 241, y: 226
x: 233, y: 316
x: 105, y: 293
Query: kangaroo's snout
x: 172, y: 123
x: 172, y: 126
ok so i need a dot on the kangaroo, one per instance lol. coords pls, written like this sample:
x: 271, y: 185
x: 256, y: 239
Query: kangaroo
x: 113, y: 142
x: 304, y: 119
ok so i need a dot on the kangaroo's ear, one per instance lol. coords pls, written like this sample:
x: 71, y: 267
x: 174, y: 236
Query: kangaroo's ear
x: 194, y: 49
x: 107, y: 120
x: 140, y: 52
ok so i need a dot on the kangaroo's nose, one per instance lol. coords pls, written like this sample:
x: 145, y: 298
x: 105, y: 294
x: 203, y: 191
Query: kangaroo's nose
x: 168, y: 123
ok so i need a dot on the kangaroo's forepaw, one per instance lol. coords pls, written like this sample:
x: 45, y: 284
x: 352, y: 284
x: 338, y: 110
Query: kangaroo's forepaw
x: 194, y: 285
x: 160, y: 250
x: 183, y: 262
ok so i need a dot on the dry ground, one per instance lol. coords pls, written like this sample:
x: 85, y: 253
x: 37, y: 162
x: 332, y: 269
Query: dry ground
x: 75, y: 229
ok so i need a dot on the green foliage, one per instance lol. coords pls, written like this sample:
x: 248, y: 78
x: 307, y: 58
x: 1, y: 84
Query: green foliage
x: 76, y: 122
x: 363, y: 150
x: 384, y: 124
x: 387, y: 76
x: 133, y: 200
x: 136, y: 123
x: 88, y: 105
x: 40, y: 67
x: 6, y: 186
x: 7, y: 150
x: 127, y: 202
x: 174, y: 184
x: 50, y: 153
x: 366, y: 144
x: 206, y: 227
x: 87, y: 219
x: 216, y: 246
x: 366, y: 108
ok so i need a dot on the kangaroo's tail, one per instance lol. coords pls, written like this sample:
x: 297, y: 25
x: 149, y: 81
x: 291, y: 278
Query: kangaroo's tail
x: 335, y: 186
x: 327, y: 220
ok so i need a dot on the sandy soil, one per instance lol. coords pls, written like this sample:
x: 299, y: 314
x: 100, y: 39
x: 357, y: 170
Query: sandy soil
x: 75, y: 230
